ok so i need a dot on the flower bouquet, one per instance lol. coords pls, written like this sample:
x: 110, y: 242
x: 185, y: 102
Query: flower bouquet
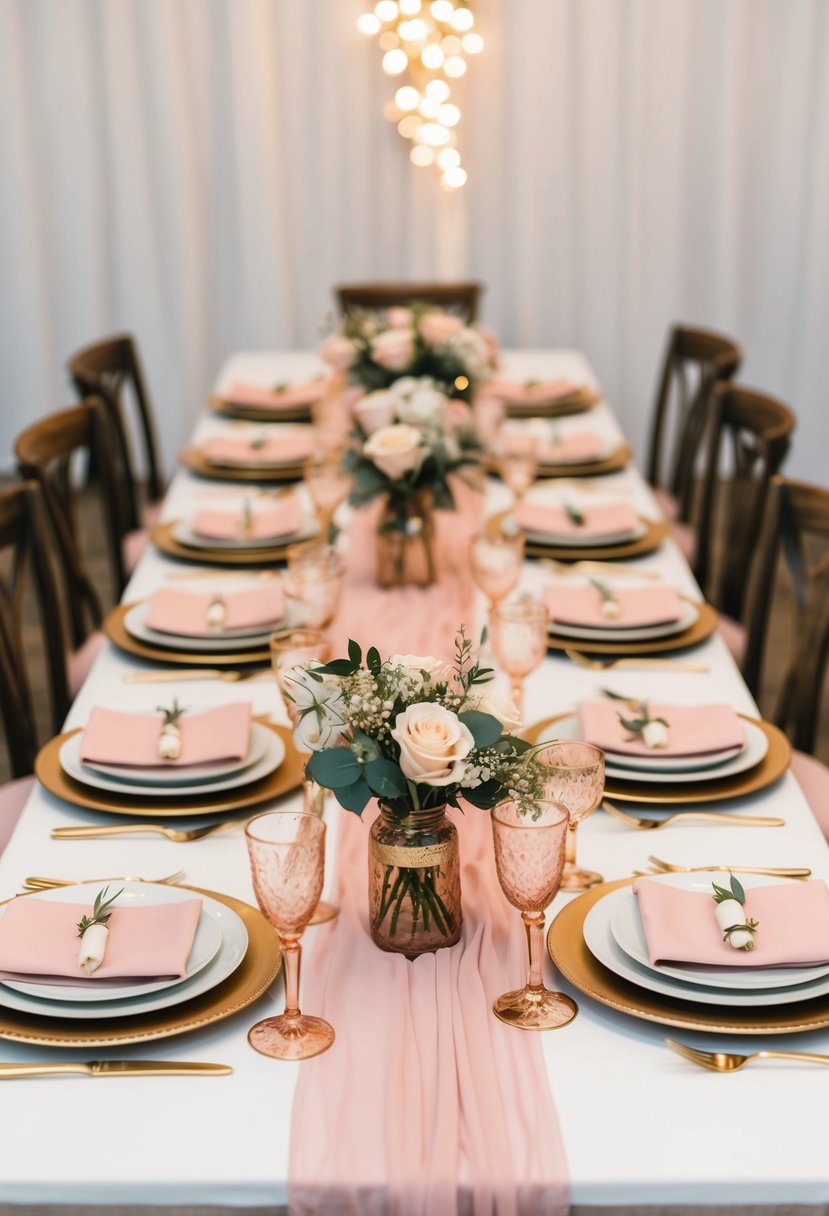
x: 418, y: 735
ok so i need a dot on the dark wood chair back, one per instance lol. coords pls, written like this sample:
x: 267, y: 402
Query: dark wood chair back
x: 460, y: 298
x: 695, y: 360
x: 105, y: 369
x: 796, y: 529
x: 750, y: 435
x: 47, y: 452
x: 25, y: 551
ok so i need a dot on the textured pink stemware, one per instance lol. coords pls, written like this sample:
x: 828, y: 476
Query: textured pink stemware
x: 287, y: 862
x: 529, y: 859
x: 575, y: 777
x: 495, y: 559
x: 518, y: 632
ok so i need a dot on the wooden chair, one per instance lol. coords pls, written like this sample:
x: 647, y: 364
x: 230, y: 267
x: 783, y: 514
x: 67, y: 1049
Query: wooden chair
x: 753, y: 431
x: 460, y: 298
x: 25, y: 552
x: 47, y: 452
x: 104, y: 370
x: 694, y: 361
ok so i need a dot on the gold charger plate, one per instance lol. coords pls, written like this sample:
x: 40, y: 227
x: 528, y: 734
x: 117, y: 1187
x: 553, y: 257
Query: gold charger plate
x: 249, y: 981
x: 619, y: 458
x: 655, y: 533
x: 702, y: 628
x: 284, y: 780
x: 568, y: 950
x: 770, y: 769
x: 250, y: 413
x: 162, y: 537
x: 194, y: 459
x: 577, y: 402
x: 117, y: 632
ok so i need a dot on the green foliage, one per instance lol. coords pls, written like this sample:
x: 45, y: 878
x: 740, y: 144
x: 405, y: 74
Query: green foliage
x: 484, y: 728
x: 101, y: 911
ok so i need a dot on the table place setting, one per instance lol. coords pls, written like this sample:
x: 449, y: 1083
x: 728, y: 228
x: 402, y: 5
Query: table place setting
x: 255, y: 529
x: 286, y: 401
x: 267, y: 453
x: 551, y: 397
x: 573, y: 529
x: 562, y: 449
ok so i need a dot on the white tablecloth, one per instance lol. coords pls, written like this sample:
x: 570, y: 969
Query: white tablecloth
x: 641, y: 1127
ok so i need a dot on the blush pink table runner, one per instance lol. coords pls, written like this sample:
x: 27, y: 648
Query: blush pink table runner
x: 455, y: 1113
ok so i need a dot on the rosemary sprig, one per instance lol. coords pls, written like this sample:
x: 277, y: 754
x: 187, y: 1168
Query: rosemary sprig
x: 281, y: 386
x: 604, y: 591
x: 259, y: 441
x: 574, y: 515
x: 172, y: 715
x: 247, y: 515
x: 637, y: 725
x: 101, y: 911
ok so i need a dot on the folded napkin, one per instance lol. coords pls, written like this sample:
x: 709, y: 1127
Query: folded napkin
x: 638, y: 606
x: 39, y: 941
x: 542, y: 392
x: 114, y: 737
x: 255, y: 396
x: 693, y: 730
x: 282, y: 519
x: 605, y: 519
x: 680, y: 926
x: 277, y: 449
x: 173, y: 610
x: 580, y: 446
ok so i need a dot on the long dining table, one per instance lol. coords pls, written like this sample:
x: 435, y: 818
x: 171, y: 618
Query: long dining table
x: 642, y: 1128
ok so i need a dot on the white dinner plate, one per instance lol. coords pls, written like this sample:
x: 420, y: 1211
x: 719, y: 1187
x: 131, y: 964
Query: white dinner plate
x: 135, y: 625
x: 260, y: 464
x: 270, y: 761
x: 184, y: 533
x: 231, y: 953
x: 571, y: 541
x: 601, y: 944
x: 604, y: 453
x: 710, y: 768
x: 170, y: 775
x: 206, y: 943
x: 623, y: 633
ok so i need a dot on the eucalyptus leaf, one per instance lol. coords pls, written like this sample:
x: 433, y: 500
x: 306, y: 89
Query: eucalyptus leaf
x: 354, y: 797
x: 335, y: 768
x: 484, y: 728
x: 385, y: 778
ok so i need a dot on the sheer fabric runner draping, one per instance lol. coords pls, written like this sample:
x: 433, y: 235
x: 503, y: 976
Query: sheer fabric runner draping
x: 425, y: 1103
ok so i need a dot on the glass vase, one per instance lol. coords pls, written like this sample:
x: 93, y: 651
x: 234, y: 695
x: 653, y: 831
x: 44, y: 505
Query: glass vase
x: 405, y: 542
x: 414, y: 882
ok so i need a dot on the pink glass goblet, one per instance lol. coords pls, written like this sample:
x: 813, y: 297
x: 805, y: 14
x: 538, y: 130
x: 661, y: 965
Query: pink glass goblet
x: 495, y: 559
x: 518, y: 632
x: 574, y: 776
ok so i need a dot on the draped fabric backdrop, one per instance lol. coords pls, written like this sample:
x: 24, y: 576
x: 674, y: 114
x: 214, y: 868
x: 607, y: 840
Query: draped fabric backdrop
x: 201, y: 171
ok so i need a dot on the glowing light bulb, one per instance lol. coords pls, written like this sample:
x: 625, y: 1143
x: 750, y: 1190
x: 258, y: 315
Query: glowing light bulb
x: 437, y: 90
x: 462, y: 19
x: 428, y: 108
x: 368, y: 24
x: 409, y: 126
x: 421, y: 156
x: 449, y: 115
x: 412, y: 31
x: 448, y: 158
x: 409, y: 7
x: 432, y: 56
x: 473, y: 43
x: 453, y: 178
x: 386, y: 10
x: 395, y: 62
x: 407, y: 98
x: 454, y: 66
x: 433, y: 134
x: 451, y: 45
x: 442, y: 10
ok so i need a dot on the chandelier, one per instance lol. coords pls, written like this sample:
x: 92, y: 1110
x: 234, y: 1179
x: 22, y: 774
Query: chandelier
x: 426, y: 45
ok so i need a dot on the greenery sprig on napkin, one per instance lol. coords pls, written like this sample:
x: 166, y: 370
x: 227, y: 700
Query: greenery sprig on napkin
x: 737, y: 930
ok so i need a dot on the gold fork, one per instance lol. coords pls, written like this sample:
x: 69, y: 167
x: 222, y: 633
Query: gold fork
x: 643, y: 663
x: 610, y: 569
x: 665, y: 867
x: 653, y: 825
x: 130, y: 829
x: 194, y: 673
x: 730, y: 1061
x: 34, y: 884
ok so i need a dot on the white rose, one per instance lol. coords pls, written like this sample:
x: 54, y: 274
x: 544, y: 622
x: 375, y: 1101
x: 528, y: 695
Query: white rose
x: 425, y: 407
x: 398, y: 318
x: 433, y: 743
x: 393, y: 349
x: 501, y: 708
x: 396, y: 450
x: 404, y: 386
x: 437, y: 327
x: 337, y: 351
x: 375, y: 410
x: 316, y: 709
x: 440, y: 672
x: 316, y: 731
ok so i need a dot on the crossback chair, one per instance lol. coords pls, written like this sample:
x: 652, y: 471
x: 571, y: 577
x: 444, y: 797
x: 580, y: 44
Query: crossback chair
x: 695, y: 360
x: 105, y: 369
x: 460, y: 298
x: 753, y: 432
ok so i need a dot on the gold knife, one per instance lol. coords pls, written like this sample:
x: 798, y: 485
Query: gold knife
x: 116, y: 1068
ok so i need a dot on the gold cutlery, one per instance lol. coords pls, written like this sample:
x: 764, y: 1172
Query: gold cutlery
x: 131, y: 829
x: 224, y: 576
x: 653, y: 825
x: 641, y: 664
x: 46, y: 884
x: 195, y: 673
x: 772, y: 871
x: 116, y: 1068
x: 608, y: 568
x: 730, y: 1061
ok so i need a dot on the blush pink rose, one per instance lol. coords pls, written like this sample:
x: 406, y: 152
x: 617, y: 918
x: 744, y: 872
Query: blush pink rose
x: 338, y: 352
x: 433, y: 743
x: 393, y: 349
x: 398, y: 318
x: 375, y: 410
x: 438, y: 327
x: 396, y: 450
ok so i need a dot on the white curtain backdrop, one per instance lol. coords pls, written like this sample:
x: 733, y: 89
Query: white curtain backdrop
x: 201, y: 171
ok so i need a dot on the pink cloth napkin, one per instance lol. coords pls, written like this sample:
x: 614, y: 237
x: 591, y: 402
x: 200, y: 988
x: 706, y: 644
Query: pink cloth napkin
x: 173, y: 610
x: 693, y: 730
x: 39, y: 941
x: 638, y: 606
x: 573, y: 449
x: 293, y: 395
x: 517, y: 392
x: 277, y: 449
x: 605, y: 519
x: 456, y: 1114
x: 113, y: 737
x: 283, y: 519
x: 680, y: 926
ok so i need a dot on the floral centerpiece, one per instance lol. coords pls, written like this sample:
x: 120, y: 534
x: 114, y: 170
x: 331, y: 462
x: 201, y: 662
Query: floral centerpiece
x: 418, y: 735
